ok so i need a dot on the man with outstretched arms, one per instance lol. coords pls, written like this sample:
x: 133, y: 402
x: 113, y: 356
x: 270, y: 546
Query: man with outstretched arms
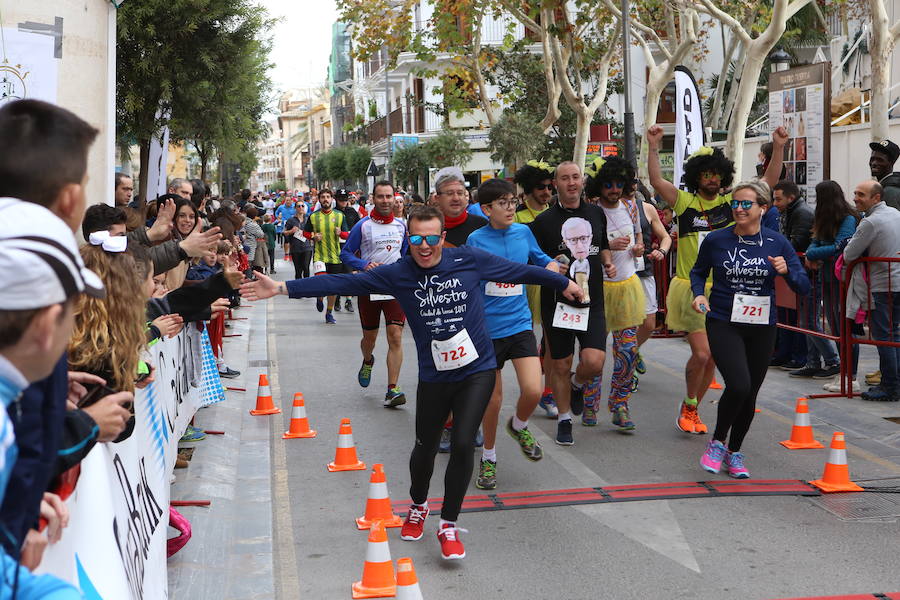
x: 573, y: 233
x: 700, y: 209
x: 376, y: 240
x: 440, y: 292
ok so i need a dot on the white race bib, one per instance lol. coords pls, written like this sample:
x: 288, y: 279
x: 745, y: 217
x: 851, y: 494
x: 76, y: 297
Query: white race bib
x: 379, y: 297
x: 493, y: 288
x: 454, y: 353
x: 570, y: 317
x: 750, y: 309
x: 318, y: 267
x: 701, y: 235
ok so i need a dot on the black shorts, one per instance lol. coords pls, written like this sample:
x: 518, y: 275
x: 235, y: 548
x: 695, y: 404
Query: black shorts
x: 561, y: 341
x: 517, y: 345
x: 335, y: 268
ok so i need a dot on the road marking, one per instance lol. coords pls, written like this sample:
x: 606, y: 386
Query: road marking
x: 287, y: 577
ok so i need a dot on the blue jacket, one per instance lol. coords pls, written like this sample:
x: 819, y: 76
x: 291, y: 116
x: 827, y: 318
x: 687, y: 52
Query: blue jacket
x: 439, y: 302
x: 508, y: 315
x: 825, y: 249
x: 743, y: 267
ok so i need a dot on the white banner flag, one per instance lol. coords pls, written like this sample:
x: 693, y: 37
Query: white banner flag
x: 688, y: 121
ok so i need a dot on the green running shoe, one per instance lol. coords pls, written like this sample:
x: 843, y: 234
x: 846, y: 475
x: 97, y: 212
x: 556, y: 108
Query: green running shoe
x: 530, y: 447
x: 621, y: 419
x: 394, y: 398
x: 364, y: 377
x: 487, y: 475
x: 639, y: 365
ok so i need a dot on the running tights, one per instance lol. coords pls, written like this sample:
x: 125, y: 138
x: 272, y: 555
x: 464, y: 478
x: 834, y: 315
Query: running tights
x: 301, y: 263
x: 467, y: 400
x: 625, y: 349
x: 742, y: 354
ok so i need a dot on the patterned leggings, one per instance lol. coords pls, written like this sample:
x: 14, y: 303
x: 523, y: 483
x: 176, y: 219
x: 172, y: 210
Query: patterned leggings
x: 625, y: 349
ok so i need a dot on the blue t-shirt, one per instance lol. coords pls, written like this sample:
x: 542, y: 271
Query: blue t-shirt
x: 283, y: 212
x: 439, y: 302
x: 508, y: 315
x: 475, y: 209
x: 741, y: 266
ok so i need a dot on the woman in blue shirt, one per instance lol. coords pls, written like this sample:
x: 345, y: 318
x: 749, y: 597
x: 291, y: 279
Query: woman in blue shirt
x: 744, y: 259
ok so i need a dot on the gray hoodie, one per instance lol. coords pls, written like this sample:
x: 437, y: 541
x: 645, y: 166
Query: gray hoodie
x: 878, y: 235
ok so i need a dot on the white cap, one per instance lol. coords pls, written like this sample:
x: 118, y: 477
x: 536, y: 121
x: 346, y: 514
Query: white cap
x: 39, y: 260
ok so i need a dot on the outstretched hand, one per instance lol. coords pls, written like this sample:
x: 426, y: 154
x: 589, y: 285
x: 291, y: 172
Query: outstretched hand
x: 261, y: 288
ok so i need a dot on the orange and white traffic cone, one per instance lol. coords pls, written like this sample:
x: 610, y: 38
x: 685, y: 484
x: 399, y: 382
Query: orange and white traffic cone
x: 801, y: 432
x: 837, y: 474
x: 264, y: 404
x: 378, y: 580
x: 299, y: 423
x: 378, y: 506
x: 715, y: 385
x: 345, y: 454
x: 407, y: 582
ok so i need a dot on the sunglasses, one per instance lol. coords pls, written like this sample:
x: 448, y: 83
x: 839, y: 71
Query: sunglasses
x: 544, y: 186
x: 611, y: 184
x: 416, y: 240
x: 742, y: 204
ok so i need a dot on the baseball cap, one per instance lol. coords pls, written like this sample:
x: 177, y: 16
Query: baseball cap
x: 341, y: 194
x: 39, y: 260
x: 886, y: 147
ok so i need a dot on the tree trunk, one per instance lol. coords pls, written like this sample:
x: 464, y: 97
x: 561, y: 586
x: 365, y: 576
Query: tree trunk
x: 722, y: 119
x: 656, y: 83
x: 144, y: 173
x: 582, y: 133
x: 880, y: 53
x: 718, y: 102
x: 737, y: 129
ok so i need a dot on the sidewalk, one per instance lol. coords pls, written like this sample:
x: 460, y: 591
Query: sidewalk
x: 229, y: 556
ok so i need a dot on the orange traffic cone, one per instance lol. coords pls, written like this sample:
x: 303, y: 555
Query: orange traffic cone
x: 715, y: 385
x: 264, y: 404
x: 378, y: 579
x: 801, y: 432
x: 299, y: 422
x: 378, y: 506
x: 837, y: 474
x: 345, y: 455
x: 407, y: 582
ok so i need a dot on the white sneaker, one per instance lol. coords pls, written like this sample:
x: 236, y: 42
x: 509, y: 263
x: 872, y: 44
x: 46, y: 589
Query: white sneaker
x: 835, y: 386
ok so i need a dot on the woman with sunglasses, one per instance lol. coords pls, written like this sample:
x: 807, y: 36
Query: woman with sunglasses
x: 745, y: 258
x: 440, y: 292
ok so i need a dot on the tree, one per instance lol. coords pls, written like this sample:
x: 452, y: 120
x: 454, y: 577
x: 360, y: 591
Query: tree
x: 320, y: 167
x: 514, y: 139
x: 336, y: 164
x: 448, y: 148
x: 357, y: 159
x: 884, y: 38
x: 408, y: 164
x: 756, y: 51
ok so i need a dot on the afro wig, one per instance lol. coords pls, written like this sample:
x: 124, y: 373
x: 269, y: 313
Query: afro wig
x: 707, y: 159
x: 607, y: 170
x: 532, y: 174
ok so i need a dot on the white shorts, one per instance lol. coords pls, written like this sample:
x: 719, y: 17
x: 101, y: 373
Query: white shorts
x: 651, y: 307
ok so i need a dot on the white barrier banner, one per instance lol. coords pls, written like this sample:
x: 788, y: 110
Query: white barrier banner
x: 115, y: 545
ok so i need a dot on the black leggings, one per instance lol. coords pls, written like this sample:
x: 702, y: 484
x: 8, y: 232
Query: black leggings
x: 301, y: 263
x: 742, y: 354
x: 467, y: 400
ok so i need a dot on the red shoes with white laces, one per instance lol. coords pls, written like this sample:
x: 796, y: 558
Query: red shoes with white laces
x: 448, y: 535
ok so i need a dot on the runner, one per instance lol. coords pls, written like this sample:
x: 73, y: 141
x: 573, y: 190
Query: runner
x: 326, y: 227
x: 610, y: 180
x: 573, y: 232
x: 744, y: 259
x: 439, y: 291
x: 379, y: 239
x: 509, y: 323
x: 536, y: 179
x: 351, y: 216
x: 700, y: 210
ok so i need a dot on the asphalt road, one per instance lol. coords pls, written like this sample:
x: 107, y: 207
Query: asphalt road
x: 710, y: 548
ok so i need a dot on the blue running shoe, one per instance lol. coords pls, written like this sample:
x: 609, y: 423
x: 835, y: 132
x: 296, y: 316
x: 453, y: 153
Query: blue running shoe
x: 549, y: 405
x: 444, y: 444
x: 639, y: 366
x: 320, y: 306
x: 394, y: 398
x: 193, y: 434
x: 364, y: 377
x: 329, y: 319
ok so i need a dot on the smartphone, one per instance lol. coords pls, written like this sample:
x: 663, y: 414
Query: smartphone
x: 95, y: 394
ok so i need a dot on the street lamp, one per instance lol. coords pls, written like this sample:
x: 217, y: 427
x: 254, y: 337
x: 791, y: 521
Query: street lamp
x: 779, y: 60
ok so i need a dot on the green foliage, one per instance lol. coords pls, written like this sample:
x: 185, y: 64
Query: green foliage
x: 336, y: 164
x: 279, y: 185
x: 357, y: 160
x: 408, y: 163
x: 515, y: 138
x: 446, y: 149
x: 320, y: 167
x: 373, y: 109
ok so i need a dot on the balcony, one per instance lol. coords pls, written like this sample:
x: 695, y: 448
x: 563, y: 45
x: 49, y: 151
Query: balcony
x: 375, y: 131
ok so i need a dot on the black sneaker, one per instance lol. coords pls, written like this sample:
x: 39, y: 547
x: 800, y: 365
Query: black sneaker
x: 564, y: 433
x: 792, y: 366
x: 880, y: 394
x: 337, y: 307
x: 827, y: 372
x: 229, y: 373
x: 778, y: 362
x: 807, y: 372
x: 348, y: 306
x: 577, y: 400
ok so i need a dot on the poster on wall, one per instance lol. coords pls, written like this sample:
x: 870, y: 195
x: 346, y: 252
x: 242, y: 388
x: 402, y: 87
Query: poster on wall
x: 28, y: 67
x: 800, y: 100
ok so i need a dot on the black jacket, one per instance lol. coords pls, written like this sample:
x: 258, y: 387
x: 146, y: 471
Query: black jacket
x: 891, y: 193
x: 796, y: 224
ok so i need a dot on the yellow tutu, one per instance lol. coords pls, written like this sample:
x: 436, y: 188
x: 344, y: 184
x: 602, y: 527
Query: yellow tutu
x: 534, y: 303
x: 680, y: 316
x: 624, y: 303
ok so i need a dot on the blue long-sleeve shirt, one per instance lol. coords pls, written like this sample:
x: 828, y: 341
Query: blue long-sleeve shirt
x: 439, y: 302
x: 742, y: 267
x: 824, y: 249
x: 508, y: 315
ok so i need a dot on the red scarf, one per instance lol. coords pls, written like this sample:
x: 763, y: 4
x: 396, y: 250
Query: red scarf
x: 451, y: 222
x: 378, y: 218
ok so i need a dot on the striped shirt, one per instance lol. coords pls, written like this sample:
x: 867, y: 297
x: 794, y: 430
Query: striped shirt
x: 328, y: 249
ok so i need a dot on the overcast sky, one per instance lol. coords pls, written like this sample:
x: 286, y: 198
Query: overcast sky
x: 301, y: 41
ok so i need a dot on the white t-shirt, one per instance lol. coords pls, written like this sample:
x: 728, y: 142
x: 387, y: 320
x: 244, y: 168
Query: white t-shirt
x: 269, y: 205
x: 619, y: 224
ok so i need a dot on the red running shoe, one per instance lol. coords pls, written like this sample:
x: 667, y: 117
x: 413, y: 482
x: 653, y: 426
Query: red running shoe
x: 451, y: 546
x: 414, y: 525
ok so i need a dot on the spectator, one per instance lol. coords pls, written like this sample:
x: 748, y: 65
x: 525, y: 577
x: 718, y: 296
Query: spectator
x: 102, y: 217
x: 269, y: 229
x: 878, y: 234
x: 181, y: 187
x: 881, y: 164
x: 834, y: 224
x: 124, y: 186
x: 186, y: 222
x: 253, y: 233
x: 227, y: 219
x: 795, y: 223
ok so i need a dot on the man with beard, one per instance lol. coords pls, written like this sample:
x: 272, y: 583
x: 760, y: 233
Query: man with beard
x: 700, y: 209
x: 326, y: 226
